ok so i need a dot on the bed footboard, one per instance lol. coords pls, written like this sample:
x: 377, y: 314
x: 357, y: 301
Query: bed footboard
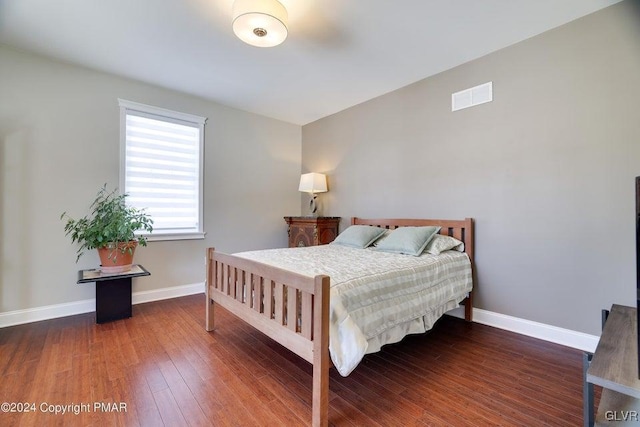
x: 290, y: 308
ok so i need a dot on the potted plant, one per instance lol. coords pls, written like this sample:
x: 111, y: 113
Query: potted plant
x: 110, y: 228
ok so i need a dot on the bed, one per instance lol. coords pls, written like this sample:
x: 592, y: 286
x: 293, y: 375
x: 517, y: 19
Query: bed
x: 294, y: 308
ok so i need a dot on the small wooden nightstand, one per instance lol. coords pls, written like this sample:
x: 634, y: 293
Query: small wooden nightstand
x: 311, y: 231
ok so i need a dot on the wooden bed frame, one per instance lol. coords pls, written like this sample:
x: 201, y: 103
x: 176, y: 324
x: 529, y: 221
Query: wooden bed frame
x: 293, y: 309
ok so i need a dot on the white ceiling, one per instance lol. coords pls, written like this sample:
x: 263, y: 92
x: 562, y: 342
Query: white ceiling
x: 339, y: 53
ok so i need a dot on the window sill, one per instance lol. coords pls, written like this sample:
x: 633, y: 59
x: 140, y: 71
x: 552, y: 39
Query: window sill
x: 175, y: 236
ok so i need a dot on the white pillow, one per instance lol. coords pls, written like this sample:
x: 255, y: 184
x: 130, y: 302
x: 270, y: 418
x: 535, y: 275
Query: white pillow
x: 442, y: 243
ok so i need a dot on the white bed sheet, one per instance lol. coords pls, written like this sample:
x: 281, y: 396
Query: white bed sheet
x: 376, y: 297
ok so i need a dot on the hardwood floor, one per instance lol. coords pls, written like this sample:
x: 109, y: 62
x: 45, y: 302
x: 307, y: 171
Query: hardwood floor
x: 161, y: 367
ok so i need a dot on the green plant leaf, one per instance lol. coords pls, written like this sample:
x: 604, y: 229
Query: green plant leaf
x: 110, y: 221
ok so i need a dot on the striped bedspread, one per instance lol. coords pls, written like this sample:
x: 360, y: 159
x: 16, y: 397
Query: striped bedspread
x: 373, y: 292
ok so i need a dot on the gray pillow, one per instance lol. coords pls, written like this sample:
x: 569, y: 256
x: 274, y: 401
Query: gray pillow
x: 408, y: 240
x: 359, y: 236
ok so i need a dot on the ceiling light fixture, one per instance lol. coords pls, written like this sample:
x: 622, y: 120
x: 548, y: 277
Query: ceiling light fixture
x: 261, y: 23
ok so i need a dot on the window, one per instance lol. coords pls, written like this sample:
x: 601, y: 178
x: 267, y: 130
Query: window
x: 161, y: 168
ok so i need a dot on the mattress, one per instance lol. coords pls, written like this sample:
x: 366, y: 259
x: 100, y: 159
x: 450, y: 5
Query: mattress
x: 376, y: 297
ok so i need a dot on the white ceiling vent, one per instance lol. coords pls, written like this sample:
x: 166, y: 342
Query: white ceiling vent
x: 471, y: 97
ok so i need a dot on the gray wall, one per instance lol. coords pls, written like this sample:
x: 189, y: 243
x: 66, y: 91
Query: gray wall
x: 547, y: 169
x: 59, y: 142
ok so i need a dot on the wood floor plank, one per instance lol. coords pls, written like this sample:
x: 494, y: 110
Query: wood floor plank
x: 288, y: 397
x: 169, y: 371
x: 142, y: 398
x: 184, y: 398
x: 342, y: 413
x: 168, y: 408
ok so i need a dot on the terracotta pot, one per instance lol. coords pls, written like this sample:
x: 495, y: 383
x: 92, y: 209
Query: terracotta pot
x: 113, y: 260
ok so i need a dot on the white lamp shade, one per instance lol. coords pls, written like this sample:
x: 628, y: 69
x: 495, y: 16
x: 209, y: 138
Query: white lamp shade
x: 261, y: 23
x: 313, y: 183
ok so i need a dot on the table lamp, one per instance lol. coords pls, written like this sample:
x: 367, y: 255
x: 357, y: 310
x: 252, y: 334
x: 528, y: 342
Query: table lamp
x: 313, y: 183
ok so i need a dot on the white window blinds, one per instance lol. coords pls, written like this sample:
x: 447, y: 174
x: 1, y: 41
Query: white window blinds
x: 162, y: 163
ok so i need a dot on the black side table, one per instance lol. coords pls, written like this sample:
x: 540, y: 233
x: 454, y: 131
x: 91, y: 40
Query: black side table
x: 113, y: 291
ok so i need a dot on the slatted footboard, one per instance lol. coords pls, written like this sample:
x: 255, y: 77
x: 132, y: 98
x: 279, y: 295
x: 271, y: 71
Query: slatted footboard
x: 290, y: 308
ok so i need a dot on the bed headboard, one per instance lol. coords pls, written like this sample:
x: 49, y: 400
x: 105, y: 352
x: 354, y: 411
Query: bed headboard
x: 460, y: 229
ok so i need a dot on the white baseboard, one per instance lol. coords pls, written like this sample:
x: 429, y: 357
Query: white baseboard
x: 18, y: 317
x: 47, y: 312
x: 529, y: 328
x: 566, y: 337
x: 167, y: 293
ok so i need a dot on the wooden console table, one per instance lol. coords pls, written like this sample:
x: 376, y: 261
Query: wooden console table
x: 614, y: 367
x: 113, y: 291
